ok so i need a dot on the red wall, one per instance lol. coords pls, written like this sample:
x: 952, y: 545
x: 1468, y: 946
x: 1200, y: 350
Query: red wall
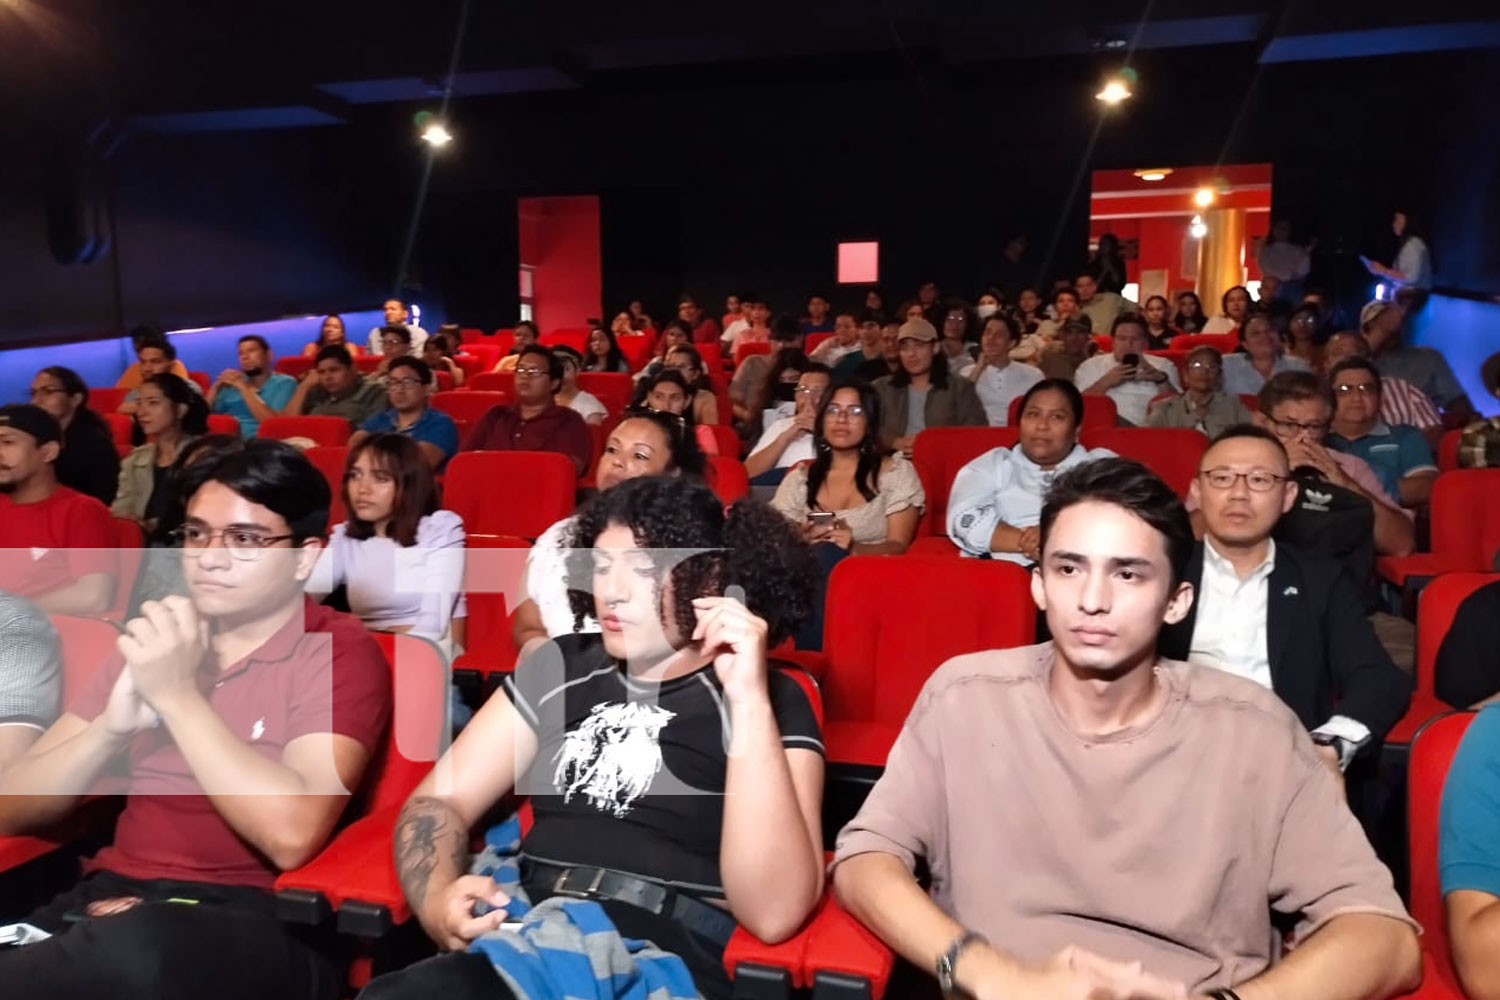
x: 1161, y: 242
x: 559, y: 240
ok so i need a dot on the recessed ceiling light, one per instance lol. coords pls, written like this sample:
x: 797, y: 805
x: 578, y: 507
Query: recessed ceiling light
x: 1114, y: 92
x: 1153, y: 173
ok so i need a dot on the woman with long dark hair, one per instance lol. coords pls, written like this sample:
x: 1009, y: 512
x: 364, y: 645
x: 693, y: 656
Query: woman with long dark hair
x: 1410, y: 261
x: 1159, y: 332
x: 687, y: 362
x: 331, y: 333
x: 88, y: 461
x: 1189, y: 317
x: 602, y: 351
x: 171, y: 414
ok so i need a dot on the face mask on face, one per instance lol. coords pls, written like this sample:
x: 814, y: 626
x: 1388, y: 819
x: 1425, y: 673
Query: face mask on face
x: 786, y: 392
x: 986, y: 310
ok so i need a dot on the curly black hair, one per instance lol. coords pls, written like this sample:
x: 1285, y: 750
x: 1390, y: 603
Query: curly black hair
x: 752, y: 547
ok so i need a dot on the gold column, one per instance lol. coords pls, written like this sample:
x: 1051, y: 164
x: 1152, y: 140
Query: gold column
x: 1221, y: 256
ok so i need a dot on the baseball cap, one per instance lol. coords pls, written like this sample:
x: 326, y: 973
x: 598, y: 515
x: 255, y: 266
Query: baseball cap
x: 33, y: 420
x: 1079, y: 322
x: 1371, y: 310
x: 917, y: 329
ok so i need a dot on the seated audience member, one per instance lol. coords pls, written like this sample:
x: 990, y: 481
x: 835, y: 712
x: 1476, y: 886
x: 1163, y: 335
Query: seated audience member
x: 1423, y: 367
x: 251, y: 771
x: 1303, y: 339
x: 602, y: 351
x: 330, y: 334
x: 743, y: 321
x: 875, y: 497
x: 789, y: 440
x: 399, y: 558
x: 534, y: 422
x: 1128, y: 375
x: 252, y: 392
x: 705, y: 328
x: 1159, y: 332
x: 1203, y: 405
x: 956, y: 336
x: 1029, y: 311
x: 395, y: 342
x: 335, y: 388
x: 406, y: 384
x: 154, y: 357
x: 668, y: 392
x: 755, y: 331
x: 30, y: 676
x: 890, y: 354
x: 996, y: 378
x: 1297, y: 407
x: 1102, y: 308
x: 396, y: 314
x: 745, y: 850
x: 1075, y: 345
x: 1049, y: 331
x: 922, y: 392
x: 1291, y: 621
x: 88, y: 462
x: 132, y: 376
x: 1047, y: 877
x: 817, y: 319
x: 1469, y: 856
x: 69, y: 537
x: 585, y: 403
x: 644, y: 443
x: 996, y: 501
x: 1108, y: 264
x: 748, y: 386
x: 843, y: 343
x: 1245, y: 371
x: 1467, y: 674
x: 687, y: 362
x: 1400, y: 401
x: 1399, y: 455
x: 732, y: 309
x: 171, y: 415
x: 1189, y: 317
x: 868, y: 349
x: 526, y: 335
x: 639, y: 318
x: 438, y: 352
x: 676, y: 334
x: 1479, y: 444
x: 1236, y: 305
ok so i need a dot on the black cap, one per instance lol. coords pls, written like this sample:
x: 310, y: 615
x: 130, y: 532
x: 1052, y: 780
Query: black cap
x: 33, y: 420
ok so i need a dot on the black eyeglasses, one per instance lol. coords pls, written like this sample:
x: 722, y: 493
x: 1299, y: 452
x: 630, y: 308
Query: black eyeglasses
x: 1258, y: 480
x: 244, y: 545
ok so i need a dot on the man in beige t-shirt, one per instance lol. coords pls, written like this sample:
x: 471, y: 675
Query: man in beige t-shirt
x: 1099, y: 822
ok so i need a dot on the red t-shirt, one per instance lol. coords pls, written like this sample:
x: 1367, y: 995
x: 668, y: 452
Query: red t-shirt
x: 707, y: 331
x: 321, y: 674
x: 54, y: 541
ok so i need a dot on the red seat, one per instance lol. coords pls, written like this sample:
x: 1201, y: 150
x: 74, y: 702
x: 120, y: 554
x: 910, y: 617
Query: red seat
x: 444, y: 381
x: 367, y: 363
x: 1427, y: 769
x: 1221, y: 342
x: 727, y: 441
x: 320, y: 430
x: 494, y: 382
x: 1447, y: 451
x: 727, y: 478
x: 713, y: 358
x: 332, y: 461
x: 202, y: 379
x: 106, y: 400
x: 493, y: 569
x: 1250, y: 401
x: 1436, y: 606
x: 479, y: 358
x: 85, y: 644
x: 121, y: 428
x: 812, y: 340
x: 1104, y: 342
x: 613, y: 389
x: 637, y: 349
x: 745, y: 350
x: 576, y: 337
x: 878, y: 661
x: 470, y: 405
x: 510, y: 492
x: 720, y: 384
x: 938, y: 454
x: 1098, y: 411
x: 1465, y: 528
x: 223, y: 423
x: 296, y: 365
x: 1174, y: 355
x: 131, y: 543
x: 1170, y: 452
x: 470, y: 334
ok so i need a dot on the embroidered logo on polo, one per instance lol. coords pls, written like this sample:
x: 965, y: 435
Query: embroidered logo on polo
x: 612, y: 757
x: 1317, y: 500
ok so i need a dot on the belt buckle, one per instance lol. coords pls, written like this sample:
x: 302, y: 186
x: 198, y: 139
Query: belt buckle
x: 559, y: 887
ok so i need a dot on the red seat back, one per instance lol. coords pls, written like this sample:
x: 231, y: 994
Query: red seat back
x: 494, y: 382
x: 748, y: 348
x: 367, y: 363
x: 1170, y: 452
x: 470, y: 405
x: 419, y: 731
x: 493, y: 569
x: 444, y: 381
x: 333, y: 462
x: 1447, y: 451
x: 131, y: 542
x: 938, y: 454
x: 892, y: 620
x: 85, y: 644
x: 727, y: 478
x: 1221, y: 342
x: 294, y: 365
x: 202, y: 380
x: 1427, y: 769
x: 1250, y: 401
x: 1437, y: 604
x: 509, y: 492
x: 320, y: 430
x: 713, y: 358
x: 576, y: 337
x: 223, y: 423
x: 812, y: 340
x: 1098, y: 411
x: 637, y: 349
x: 469, y: 334
x: 1466, y: 519
x: 479, y: 358
x: 106, y: 399
x: 121, y: 427
x: 613, y: 389
x: 726, y: 439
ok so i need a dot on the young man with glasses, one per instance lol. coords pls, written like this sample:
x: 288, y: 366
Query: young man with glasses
x: 334, y: 388
x: 1399, y: 454
x: 247, y: 715
x: 1287, y: 619
x: 534, y: 422
x: 406, y: 385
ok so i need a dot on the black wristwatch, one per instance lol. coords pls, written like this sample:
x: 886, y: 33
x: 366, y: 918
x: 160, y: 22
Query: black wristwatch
x: 948, y: 959
x: 1346, y: 749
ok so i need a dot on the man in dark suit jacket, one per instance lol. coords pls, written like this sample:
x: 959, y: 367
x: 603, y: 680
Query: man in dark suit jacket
x: 1291, y: 620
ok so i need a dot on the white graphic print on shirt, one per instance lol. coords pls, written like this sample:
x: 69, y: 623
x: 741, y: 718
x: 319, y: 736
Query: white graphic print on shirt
x: 612, y: 757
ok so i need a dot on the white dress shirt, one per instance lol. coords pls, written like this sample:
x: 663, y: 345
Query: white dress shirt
x: 800, y: 449
x: 1133, y: 398
x: 997, y: 387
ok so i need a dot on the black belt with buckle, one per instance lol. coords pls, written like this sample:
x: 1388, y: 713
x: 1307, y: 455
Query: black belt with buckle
x: 583, y: 882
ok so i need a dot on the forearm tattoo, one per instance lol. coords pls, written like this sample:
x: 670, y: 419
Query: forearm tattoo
x: 426, y: 831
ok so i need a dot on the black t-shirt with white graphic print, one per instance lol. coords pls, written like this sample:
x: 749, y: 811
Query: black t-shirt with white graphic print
x: 629, y: 775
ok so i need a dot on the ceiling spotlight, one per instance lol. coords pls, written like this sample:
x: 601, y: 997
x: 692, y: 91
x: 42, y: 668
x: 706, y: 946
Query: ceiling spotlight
x: 1115, y: 91
x: 1198, y: 229
x: 436, y: 134
x: 1153, y: 173
x: 1203, y: 197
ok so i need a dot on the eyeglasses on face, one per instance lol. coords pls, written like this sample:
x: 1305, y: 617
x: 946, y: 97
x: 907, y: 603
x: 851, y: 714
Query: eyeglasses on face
x: 854, y: 411
x: 243, y: 544
x: 1212, y: 366
x: 1258, y: 479
x: 403, y: 383
x: 809, y: 390
x: 1363, y: 388
x: 1290, y: 428
x: 47, y: 390
x: 531, y: 372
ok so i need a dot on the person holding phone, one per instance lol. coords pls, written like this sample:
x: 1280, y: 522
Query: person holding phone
x: 1128, y: 375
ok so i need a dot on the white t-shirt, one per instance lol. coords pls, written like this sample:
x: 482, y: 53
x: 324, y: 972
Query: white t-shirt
x: 587, y: 405
x: 390, y: 586
x: 997, y: 387
x: 546, y: 581
x: 1132, y: 399
x: 800, y: 450
x: 1220, y: 324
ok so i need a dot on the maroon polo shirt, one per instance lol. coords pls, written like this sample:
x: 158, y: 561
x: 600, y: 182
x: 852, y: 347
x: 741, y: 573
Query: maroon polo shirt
x: 557, y: 428
x: 325, y: 674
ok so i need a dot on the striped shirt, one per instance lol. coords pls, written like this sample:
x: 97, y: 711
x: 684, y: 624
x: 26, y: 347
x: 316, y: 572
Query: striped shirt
x: 30, y: 665
x: 1403, y: 403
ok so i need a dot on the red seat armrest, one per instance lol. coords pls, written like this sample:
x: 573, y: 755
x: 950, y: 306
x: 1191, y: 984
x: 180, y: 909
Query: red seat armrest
x: 1397, y: 568
x: 814, y: 664
x: 746, y: 956
x: 839, y: 948
x: 358, y: 865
